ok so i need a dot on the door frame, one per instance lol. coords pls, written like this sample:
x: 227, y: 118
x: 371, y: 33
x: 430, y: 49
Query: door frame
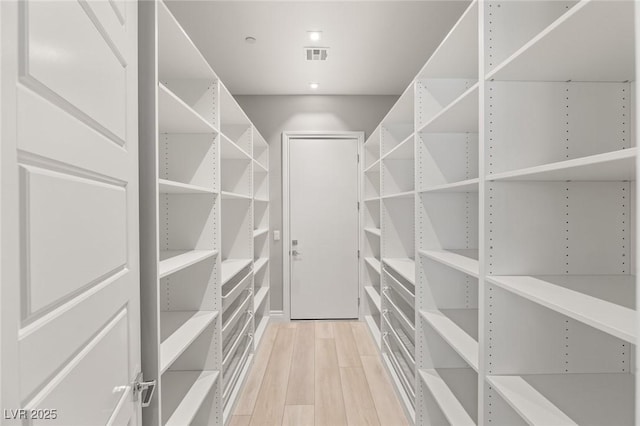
x: 286, y: 218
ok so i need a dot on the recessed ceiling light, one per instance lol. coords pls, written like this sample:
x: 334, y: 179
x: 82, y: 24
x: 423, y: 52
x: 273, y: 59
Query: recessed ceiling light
x: 313, y: 86
x: 250, y: 40
x: 315, y: 35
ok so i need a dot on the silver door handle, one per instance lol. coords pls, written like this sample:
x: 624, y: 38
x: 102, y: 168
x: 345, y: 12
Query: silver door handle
x: 295, y: 253
x: 144, y: 389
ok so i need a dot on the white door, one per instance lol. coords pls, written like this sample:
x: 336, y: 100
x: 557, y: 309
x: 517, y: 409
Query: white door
x: 323, y: 197
x: 69, y: 298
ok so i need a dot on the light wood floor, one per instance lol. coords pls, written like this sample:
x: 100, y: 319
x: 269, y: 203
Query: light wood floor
x: 318, y: 373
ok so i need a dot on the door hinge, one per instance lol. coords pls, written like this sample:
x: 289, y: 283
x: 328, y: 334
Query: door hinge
x: 358, y: 254
x: 358, y: 205
x: 358, y: 301
x: 143, y: 390
x: 358, y: 157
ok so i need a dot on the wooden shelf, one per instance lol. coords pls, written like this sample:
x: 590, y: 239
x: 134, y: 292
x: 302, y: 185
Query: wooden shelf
x: 231, y: 268
x: 460, y: 116
x: 373, y: 328
x: 258, y: 167
x: 179, y: 329
x: 374, y: 296
x: 178, y: 57
x: 457, y: 55
x: 199, y: 384
x: 456, y: 337
x: 610, y: 166
x: 373, y: 263
x: 231, y: 151
x: 586, y: 399
x: 259, y: 232
x: 469, y: 185
x: 234, y: 115
x: 261, y: 328
x: 570, y: 49
x: 259, y: 264
x: 226, y: 195
x: 170, y: 187
x: 261, y: 200
x: 554, y: 292
x: 465, y: 261
x: 172, y: 261
x: 406, y: 194
x: 259, y: 297
x: 370, y: 169
x: 403, y: 151
x: 452, y: 409
x: 175, y: 116
x: 372, y: 199
x: 373, y: 231
x: 406, y: 268
x: 401, y: 113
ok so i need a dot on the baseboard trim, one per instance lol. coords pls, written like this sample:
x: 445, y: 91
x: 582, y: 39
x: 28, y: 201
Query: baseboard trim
x: 277, y: 316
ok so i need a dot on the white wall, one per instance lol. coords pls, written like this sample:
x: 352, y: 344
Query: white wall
x: 273, y: 115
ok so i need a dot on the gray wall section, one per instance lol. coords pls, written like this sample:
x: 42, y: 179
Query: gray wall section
x: 273, y: 115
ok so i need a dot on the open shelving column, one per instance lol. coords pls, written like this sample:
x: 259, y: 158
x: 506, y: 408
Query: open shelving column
x: 397, y: 246
x: 237, y: 180
x: 261, y: 265
x: 371, y: 235
x: 180, y: 249
x: 568, y: 276
x: 447, y: 239
x: 204, y: 177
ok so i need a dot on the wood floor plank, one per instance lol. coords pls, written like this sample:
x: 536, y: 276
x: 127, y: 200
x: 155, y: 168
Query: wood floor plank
x: 324, y: 330
x: 346, y: 348
x: 388, y: 408
x: 358, y: 403
x: 363, y: 338
x: 301, y: 361
x: 300, y: 390
x: 240, y: 420
x: 329, y: 403
x: 269, y: 406
x: 298, y: 415
x: 250, y: 390
x: 289, y: 324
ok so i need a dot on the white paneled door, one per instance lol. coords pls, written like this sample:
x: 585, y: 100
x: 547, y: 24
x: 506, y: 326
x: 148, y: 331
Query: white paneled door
x: 70, y: 321
x: 323, y: 182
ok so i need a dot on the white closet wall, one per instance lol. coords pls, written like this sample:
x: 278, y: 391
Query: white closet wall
x: 203, y: 210
x: 524, y: 157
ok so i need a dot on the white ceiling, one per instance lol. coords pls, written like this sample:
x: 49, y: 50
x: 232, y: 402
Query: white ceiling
x: 376, y: 47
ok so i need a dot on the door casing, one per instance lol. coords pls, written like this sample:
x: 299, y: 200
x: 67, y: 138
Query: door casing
x: 286, y: 218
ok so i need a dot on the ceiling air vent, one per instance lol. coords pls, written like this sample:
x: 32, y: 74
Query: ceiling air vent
x: 316, y: 53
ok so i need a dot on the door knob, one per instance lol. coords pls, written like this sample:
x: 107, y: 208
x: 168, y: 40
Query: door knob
x: 295, y: 253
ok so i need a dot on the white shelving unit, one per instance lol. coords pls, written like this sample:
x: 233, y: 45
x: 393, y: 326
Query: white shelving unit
x: 398, y: 246
x: 203, y: 165
x: 371, y: 267
x: 261, y: 234
x: 575, y: 166
x: 515, y: 149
